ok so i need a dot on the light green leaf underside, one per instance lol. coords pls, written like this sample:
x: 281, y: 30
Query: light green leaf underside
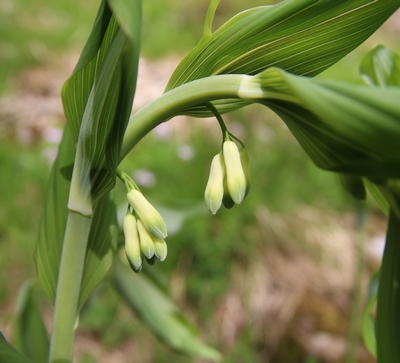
x: 102, y: 238
x: 97, y: 100
x: 159, y: 313
x: 98, y: 97
x: 347, y: 128
x: 54, y: 219
x: 300, y: 36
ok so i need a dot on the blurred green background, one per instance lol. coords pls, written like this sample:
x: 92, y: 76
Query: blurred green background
x: 254, y: 278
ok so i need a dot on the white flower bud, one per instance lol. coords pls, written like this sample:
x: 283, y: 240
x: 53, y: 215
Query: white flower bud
x: 132, y: 246
x: 149, y: 216
x: 235, y: 178
x: 215, y: 186
x: 146, y: 240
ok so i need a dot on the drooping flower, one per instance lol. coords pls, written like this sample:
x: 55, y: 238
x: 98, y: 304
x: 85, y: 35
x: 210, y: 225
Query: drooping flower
x: 215, y: 186
x: 235, y: 177
x: 132, y: 243
x: 149, y: 216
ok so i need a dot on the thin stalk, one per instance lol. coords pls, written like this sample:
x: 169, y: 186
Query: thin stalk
x: 176, y: 101
x: 68, y: 288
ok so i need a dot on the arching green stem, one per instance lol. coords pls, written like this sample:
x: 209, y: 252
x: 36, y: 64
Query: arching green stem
x: 175, y: 102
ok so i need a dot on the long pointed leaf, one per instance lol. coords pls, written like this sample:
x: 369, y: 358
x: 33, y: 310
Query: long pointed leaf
x: 98, y: 99
x: 100, y: 92
x: 303, y: 37
x: 159, y: 313
x: 51, y: 232
x: 10, y: 355
x: 30, y: 335
x: 102, y: 238
x: 347, y: 128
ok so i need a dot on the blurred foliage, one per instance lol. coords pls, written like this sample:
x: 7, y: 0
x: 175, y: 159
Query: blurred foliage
x: 283, y: 178
x: 23, y: 178
x: 32, y: 32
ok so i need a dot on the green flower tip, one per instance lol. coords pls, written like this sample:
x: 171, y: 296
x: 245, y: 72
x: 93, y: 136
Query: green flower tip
x: 235, y: 176
x: 149, y: 216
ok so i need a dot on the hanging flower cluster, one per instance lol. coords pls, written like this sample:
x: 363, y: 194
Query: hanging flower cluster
x: 228, y: 184
x: 145, y: 230
x: 229, y: 179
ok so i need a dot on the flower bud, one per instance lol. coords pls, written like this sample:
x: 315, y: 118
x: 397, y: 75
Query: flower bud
x: 149, y: 216
x: 215, y: 186
x: 146, y: 240
x: 235, y: 178
x: 160, y: 248
x: 132, y: 245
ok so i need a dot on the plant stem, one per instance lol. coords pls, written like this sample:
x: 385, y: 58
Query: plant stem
x: 388, y: 307
x: 68, y: 288
x: 175, y: 102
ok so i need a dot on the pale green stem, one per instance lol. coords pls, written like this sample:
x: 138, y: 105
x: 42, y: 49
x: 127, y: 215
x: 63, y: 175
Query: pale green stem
x: 68, y: 288
x: 175, y: 102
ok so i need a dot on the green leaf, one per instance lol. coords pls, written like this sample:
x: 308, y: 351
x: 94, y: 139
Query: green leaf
x: 388, y: 308
x: 348, y: 128
x: 368, y: 321
x: 354, y: 186
x: 102, y: 237
x: 30, y: 335
x: 99, y: 92
x: 159, y: 313
x: 101, y: 248
x: 98, y: 97
x: 51, y: 232
x: 9, y: 355
x: 381, y: 67
x: 378, y: 196
x: 209, y: 19
x: 303, y: 37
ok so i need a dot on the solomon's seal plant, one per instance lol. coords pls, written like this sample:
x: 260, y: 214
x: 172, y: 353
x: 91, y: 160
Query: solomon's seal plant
x: 264, y: 55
